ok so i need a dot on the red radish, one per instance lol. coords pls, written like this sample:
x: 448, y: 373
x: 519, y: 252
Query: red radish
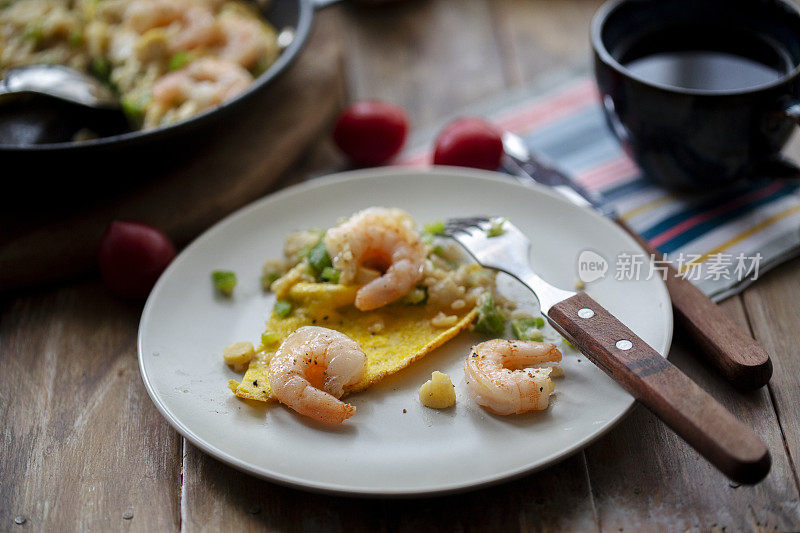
x: 469, y: 142
x: 132, y: 257
x: 371, y: 132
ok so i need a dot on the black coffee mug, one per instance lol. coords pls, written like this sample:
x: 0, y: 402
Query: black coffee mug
x: 701, y: 133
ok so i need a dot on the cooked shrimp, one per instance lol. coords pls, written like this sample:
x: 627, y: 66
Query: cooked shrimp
x: 496, y: 380
x: 244, y: 39
x: 206, y: 82
x: 378, y: 239
x: 193, y: 22
x: 314, y: 356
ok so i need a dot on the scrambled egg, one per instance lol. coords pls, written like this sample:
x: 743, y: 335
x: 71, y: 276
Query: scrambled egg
x: 392, y: 337
x: 438, y: 392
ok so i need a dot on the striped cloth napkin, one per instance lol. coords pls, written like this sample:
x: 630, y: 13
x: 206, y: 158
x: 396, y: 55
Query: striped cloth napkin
x: 721, y: 241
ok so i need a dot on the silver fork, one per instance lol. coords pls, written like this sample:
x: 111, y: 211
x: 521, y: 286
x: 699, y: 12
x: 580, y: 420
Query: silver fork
x: 678, y: 401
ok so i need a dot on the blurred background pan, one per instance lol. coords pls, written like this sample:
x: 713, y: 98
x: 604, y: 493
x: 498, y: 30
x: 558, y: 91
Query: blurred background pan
x: 68, y: 165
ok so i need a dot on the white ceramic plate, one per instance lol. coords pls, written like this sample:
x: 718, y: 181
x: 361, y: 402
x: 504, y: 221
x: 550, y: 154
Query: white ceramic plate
x: 382, y: 450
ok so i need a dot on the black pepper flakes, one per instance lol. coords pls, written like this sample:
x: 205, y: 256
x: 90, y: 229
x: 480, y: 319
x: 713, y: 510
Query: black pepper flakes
x: 255, y: 383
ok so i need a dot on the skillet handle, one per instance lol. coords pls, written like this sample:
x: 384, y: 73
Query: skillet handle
x: 674, y: 398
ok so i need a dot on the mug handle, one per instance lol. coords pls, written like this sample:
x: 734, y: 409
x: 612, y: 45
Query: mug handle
x: 778, y: 167
x: 792, y: 110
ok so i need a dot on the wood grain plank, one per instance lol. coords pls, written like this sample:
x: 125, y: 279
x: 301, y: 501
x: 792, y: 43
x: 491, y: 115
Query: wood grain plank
x: 554, y: 499
x: 217, y: 496
x: 773, y: 305
x: 431, y: 57
x: 644, y: 477
x: 82, y: 443
x: 541, y: 37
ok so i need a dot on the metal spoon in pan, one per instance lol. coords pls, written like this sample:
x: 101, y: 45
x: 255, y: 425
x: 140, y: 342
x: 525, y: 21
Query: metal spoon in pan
x: 57, y: 81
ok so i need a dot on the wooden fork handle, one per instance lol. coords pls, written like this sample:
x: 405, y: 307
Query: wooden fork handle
x: 678, y: 401
x: 735, y: 354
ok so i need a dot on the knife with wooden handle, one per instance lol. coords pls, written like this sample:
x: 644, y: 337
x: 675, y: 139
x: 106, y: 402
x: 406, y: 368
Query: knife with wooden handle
x: 735, y: 354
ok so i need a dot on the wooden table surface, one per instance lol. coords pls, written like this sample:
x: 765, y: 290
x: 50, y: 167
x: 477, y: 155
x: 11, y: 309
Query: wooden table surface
x: 83, y: 447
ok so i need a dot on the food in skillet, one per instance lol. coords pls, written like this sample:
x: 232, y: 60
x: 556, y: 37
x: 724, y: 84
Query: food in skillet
x: 358, y: 302
x: 168, y: 59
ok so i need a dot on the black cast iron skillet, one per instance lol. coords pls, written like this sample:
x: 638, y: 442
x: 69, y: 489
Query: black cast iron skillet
x: 50, y: 164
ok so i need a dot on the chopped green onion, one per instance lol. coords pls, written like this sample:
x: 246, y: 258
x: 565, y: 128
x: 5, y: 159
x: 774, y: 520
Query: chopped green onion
x: 431, y: 230
x: 282, y: 308
x: 417, y: 296
x: 319, y: 258
x: 101, y: 68
x: 496, y: 227
x: 531, y: 321
x: 490, y: 320
x: 268, y: 278
x: 75, y: 39
x: 179, y: 60
x: 528, y: 328
x: 436, y: 249
x: 33, y: 32
x: 330, y: 274
x: 134, y: 108
x: 303, y: 252
x: 268, y: 338
x: 261, y: 67
x: 224, y: 281
x: 434, y: 228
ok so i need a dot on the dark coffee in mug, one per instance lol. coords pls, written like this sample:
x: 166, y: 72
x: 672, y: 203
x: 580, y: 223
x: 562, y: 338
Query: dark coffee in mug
x: 701, y: 92
x: 706, y: 58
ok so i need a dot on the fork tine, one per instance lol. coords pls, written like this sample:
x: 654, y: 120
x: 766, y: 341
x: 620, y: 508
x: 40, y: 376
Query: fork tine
x: 457, y: 225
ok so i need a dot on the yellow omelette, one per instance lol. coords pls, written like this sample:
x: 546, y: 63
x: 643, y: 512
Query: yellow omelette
x: 392, y: 337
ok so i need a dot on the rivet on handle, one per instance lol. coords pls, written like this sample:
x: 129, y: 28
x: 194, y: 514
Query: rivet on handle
x: 624, y: 344
x: 585, y: 313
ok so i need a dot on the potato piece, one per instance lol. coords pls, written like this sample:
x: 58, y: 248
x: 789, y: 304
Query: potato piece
x: 438, y: 392
x: 238, y: 355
